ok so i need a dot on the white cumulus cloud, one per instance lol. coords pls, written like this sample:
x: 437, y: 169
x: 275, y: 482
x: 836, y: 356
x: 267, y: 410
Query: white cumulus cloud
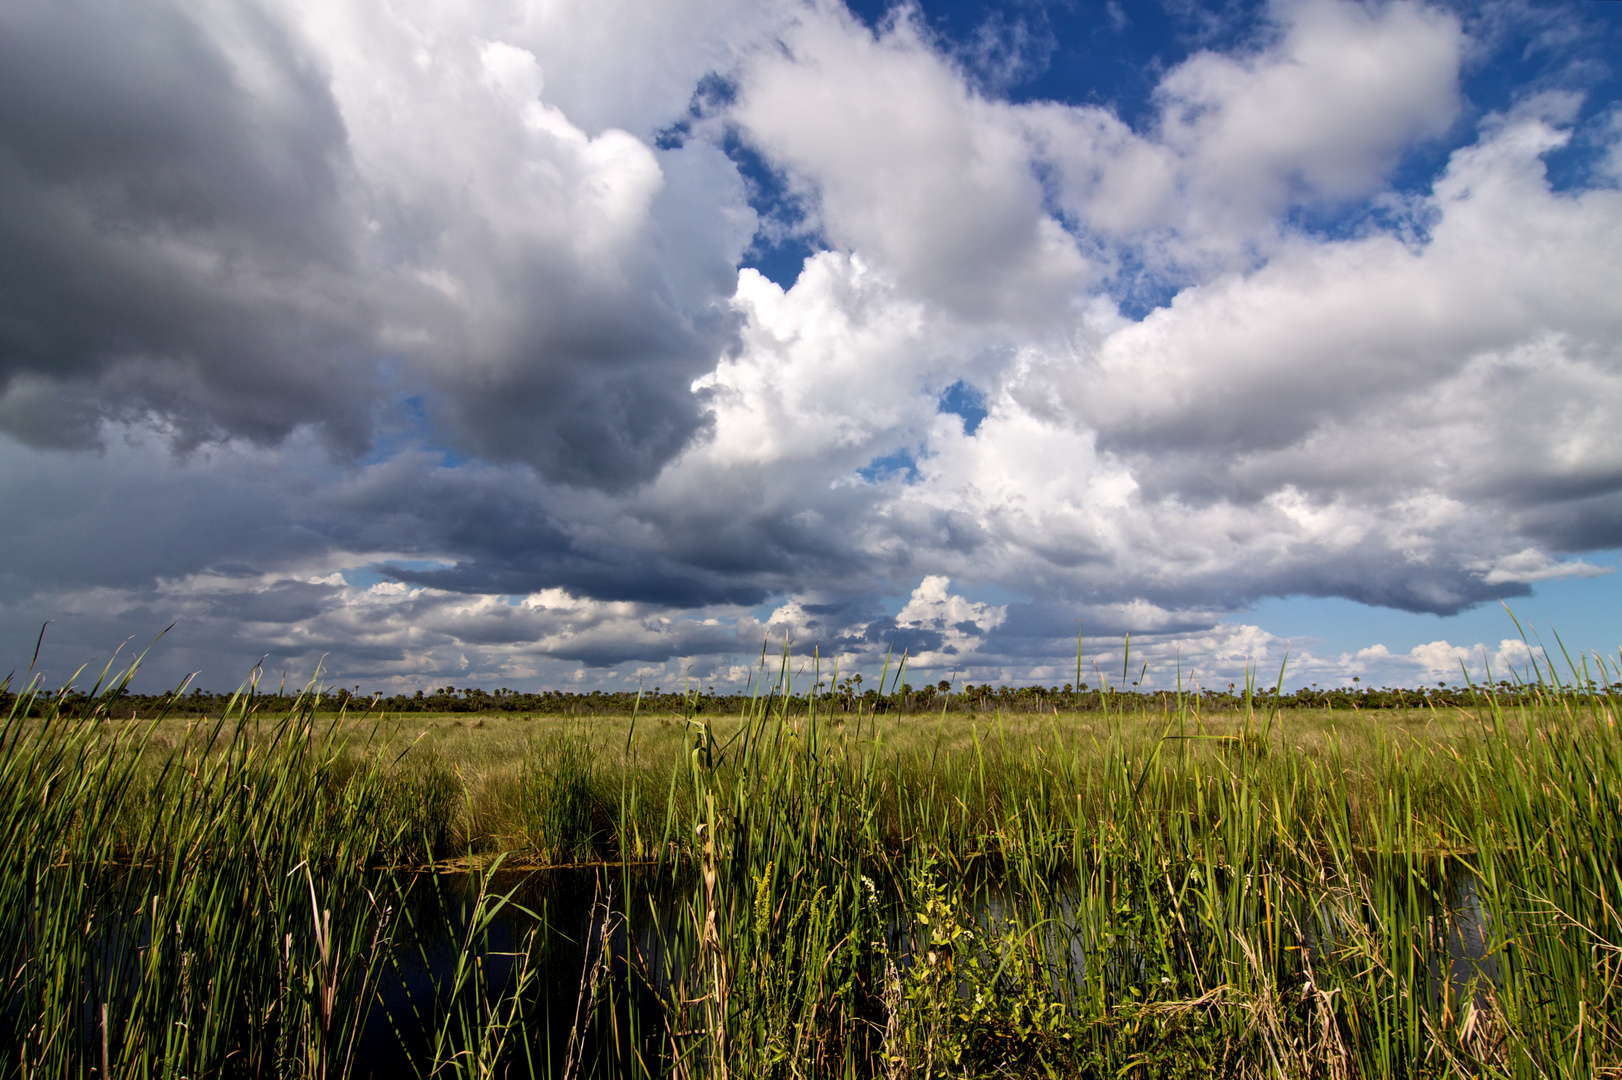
x: 453, y: 301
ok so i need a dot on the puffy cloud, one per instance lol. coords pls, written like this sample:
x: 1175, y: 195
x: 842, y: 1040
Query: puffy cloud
x: 236, y: 221
x: 1440, y: 658
x: 907, y: 165
x: 1318, y: 116
x: 447, y: 300
x: 1530, y: 564
x: 1441, y: 661
x: 557, y: 290
x: 1322, y: 114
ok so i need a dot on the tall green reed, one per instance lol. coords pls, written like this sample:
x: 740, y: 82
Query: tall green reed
x: 798, y: 896
x: 215, y: 909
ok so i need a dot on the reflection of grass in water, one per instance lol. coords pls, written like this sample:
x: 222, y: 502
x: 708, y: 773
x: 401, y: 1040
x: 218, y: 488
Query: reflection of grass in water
x: 1128, y: 892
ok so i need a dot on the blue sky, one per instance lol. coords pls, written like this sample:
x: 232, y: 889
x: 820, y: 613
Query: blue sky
x: 576, y: 344
x: 1579, y: 611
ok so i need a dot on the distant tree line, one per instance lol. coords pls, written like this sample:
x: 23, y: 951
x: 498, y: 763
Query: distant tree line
x: 846, y: 696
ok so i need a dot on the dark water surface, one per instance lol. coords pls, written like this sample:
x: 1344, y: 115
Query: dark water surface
x: 593, y: 958
x: 553, y: 929
x: 563, y: 922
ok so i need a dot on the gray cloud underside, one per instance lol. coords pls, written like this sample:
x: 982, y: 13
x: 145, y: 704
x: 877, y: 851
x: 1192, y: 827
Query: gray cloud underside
x: 289, y: 289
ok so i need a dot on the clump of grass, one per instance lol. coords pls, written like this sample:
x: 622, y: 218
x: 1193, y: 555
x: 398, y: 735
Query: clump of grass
x: 224, y: 906
x: 1147, y: 891
x: 567, y: 808
x: 1138, y: 906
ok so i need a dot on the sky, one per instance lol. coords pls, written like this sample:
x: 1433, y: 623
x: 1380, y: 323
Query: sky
x: 576, y: 344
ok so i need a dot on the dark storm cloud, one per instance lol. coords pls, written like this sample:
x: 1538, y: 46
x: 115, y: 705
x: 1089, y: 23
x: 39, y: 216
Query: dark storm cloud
x: 130, y: 517
x: 511, y: 534
x: 1374, y: 576
x: 1050, y: 628
x: 887, y: 635
x: 282, y: 603
x: 1577, y: 525
x: 602, y: 575
x: 188, y: 238
x: 605, y: 421
x: 172, y: 240
x: 583, y: 374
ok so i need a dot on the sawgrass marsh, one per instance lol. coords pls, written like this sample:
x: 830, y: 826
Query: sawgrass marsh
x: 1151, y: 887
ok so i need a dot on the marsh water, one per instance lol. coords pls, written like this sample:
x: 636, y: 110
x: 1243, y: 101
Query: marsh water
x: 597, y: 953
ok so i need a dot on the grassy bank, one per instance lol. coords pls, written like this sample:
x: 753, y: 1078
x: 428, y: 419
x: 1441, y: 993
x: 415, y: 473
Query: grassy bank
x: 507, y: 772
x: 1153, y: 888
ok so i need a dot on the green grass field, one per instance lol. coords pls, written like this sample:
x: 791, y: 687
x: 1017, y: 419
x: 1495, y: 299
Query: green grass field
x: 496, y: 761
x: 1153, y: 889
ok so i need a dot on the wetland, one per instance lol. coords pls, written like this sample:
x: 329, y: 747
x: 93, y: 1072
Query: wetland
x: 787, y: 884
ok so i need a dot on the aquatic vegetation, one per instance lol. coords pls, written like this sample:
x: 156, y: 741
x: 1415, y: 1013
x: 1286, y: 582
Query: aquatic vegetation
x: 1154, y: 887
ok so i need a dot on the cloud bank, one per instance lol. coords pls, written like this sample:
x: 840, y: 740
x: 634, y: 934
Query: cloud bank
x: 430, y: 338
